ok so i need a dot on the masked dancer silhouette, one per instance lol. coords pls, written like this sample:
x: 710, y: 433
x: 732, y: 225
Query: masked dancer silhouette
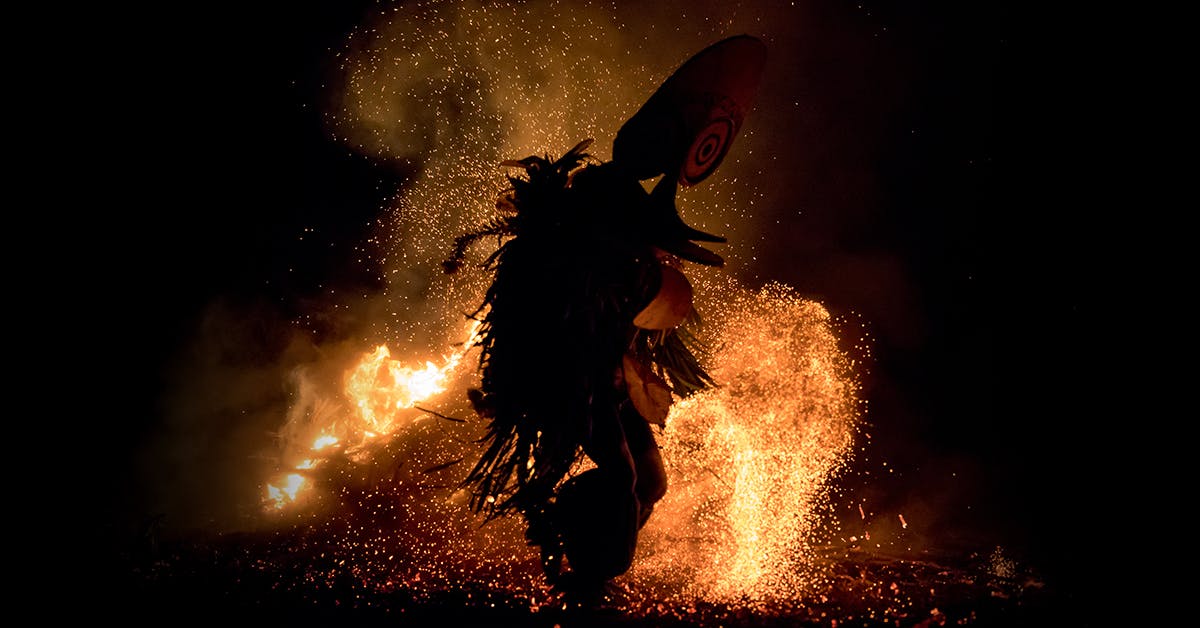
x: 585, y: 328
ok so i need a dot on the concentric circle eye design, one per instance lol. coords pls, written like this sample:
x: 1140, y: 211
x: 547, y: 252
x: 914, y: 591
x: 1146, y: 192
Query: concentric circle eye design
x: 708, y: 150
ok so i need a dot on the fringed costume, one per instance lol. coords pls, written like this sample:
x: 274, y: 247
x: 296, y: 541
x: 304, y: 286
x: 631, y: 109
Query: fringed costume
x: 585, y: 328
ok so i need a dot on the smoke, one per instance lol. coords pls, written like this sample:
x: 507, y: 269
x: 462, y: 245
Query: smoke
x: 229, y: 390
x: 454, y: 88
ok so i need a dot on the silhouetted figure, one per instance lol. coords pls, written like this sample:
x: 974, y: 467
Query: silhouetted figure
x: 584, y: 331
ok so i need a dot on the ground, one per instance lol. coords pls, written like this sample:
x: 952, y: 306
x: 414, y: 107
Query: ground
x: 304, y: 576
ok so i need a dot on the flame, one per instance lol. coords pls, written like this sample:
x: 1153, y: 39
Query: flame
x: 285, y: 493
x: 380, y: 386
x: 324, y: 441
x: 379, y: 389
x: 749, y: 463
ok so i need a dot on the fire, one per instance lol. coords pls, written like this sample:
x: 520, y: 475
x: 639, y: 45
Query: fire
x: 322, y: 442
x: 286, y: 493
x: 380, y: 386
x: 379, y: 389
x: 750, y: 462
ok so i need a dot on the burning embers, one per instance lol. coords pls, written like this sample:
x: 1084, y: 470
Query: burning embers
x: 749, y: 464
x: 383, y: 393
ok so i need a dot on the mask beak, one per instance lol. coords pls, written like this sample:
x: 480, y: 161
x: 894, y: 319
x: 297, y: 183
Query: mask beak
x: 674, y: 236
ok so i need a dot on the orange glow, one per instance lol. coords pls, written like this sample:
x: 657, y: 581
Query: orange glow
x: 324, y: 441
x: 380, y: 386
x: 380, y: 390
x: 286, y: 492
x: 749, y: 462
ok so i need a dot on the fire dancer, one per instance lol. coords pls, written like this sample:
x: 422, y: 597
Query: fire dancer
x: 585, y: 328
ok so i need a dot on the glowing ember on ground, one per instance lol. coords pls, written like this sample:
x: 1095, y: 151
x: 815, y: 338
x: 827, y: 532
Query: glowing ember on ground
x: 749, y: 466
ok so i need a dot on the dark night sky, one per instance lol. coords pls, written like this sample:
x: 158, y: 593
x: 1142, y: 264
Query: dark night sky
x: 221, y: 159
